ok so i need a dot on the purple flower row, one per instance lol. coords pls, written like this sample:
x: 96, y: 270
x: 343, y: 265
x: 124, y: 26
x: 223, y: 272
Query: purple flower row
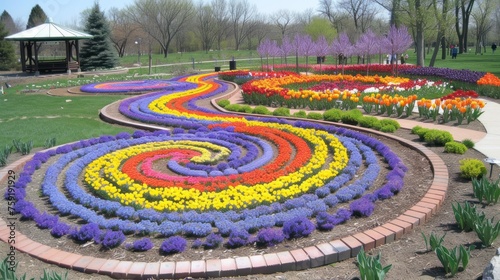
x: 136, y: 86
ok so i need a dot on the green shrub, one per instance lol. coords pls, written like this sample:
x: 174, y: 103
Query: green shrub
x: 370, y: 122
x: 233, y: 107
x: 472, y: 168
x: 388, y: 128
x: 395, y: 123
x: 468, y: 143
x: 420, y: 131
x: 302, y: 114
x: 282, y: 112
x: 415, y: 129
x: 352, y: 117
x: 261, y: 110
x: 245, y: 109
x: 315, y: 116
x: 437, y: 137
x: 455, y: 148
x: 333, y: 115
x: 223, y: 103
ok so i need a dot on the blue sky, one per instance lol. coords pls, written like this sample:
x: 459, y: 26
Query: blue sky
x: 67, y: 12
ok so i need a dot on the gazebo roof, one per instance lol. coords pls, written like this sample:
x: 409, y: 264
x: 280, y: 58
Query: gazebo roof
x: 48, y: 31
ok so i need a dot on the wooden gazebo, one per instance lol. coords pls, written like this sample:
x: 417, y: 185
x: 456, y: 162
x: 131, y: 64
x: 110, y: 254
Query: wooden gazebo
x: 31, y: 39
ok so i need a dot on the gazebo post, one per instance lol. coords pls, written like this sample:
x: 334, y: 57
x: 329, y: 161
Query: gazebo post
x: 37, y: 72
x: 22, y: 49
x: 77, y: 50
x: 69, y: 50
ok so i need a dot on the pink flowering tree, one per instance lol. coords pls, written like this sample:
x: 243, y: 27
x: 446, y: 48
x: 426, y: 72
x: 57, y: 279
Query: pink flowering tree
x: 366, y: 46
x: 398, y: 40
x: 286, y: 48
x: 267, y: 48
x: 303, y: 45
x: 342, y: 48
x: 321, y: 49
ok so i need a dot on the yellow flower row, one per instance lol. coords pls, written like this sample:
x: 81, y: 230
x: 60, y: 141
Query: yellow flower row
x: 104, y: 176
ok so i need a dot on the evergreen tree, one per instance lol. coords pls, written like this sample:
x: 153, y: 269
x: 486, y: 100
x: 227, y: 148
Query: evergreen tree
x: 37, y: 17
x: 98, y: 52
x: 7, y: 54
x: 9, y: 23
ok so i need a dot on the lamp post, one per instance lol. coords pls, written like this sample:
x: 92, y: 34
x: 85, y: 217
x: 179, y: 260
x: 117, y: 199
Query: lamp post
x: 138, y: 43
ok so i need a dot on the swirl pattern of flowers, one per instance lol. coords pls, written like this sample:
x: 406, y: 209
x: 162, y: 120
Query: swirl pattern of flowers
x: 134, y: 86
x: 213, y: 174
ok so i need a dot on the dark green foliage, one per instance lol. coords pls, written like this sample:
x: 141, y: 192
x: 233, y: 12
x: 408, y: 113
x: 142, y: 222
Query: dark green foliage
x: 9, y: 23
x: 455, y: 148
x: 437, y: 137
x: 388, y: 128
x: 432, y: 241
x: 392, y: 122
x: 37, y: 17
x: 468, y: 143
x: 472, y: 168
x: 98, y: 52
x: 261, y: 110
x: 370, y: 122
x: 486, y: 190
x: 7, y: 53
x: 451, y: 259
x: 302, y: 114
x: 223, y: 103
x: 370, y: 268
x: 333, y: 115
x: 352, y: 117
x: 282, y: 112
x: 315, y: 116
x: 466, y: 216
x: 487, y: 231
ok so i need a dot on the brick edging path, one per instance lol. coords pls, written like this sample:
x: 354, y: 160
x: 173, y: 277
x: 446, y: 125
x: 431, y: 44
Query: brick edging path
x: 295, y: 259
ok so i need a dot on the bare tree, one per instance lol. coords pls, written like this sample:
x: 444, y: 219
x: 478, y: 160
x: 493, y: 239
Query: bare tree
x: 482, y: 15
x: 219, y: 9
x: 122, y: 27
x: 326, y: 8
x: 282, y: 19
x: 394, y: 8
x: 463, y: 9
x: 162, y: 19
x: 441, y: 14
x: 361, y: 12
x: 241, y: 17
x: 206, y: 25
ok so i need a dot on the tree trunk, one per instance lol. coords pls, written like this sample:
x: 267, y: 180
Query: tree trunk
x: 420, y: 45
x: 443, y: 48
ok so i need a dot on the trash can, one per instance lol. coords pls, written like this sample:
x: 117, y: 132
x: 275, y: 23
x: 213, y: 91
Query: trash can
x: 232, y: 65
x: 217, y: 68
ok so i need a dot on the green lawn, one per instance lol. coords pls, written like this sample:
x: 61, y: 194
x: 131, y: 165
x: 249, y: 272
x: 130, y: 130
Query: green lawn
x: 39, y: 117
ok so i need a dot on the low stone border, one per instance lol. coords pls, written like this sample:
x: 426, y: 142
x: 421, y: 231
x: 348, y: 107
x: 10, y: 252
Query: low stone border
x: 295, y: 259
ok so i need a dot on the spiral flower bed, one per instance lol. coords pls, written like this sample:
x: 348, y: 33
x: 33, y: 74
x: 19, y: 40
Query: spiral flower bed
x: 227, y: 179
x: 134, y: 86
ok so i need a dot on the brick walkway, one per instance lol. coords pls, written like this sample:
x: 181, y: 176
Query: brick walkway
x: 295, y: 259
